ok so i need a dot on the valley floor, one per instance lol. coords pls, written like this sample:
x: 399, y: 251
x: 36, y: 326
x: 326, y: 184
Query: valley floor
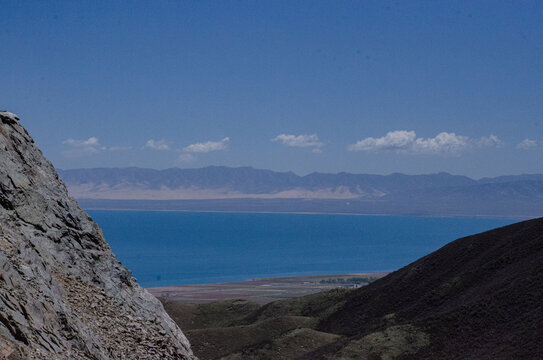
x: 265, y: 290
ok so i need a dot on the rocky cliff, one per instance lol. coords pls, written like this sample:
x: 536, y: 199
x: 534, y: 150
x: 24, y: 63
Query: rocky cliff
x: 63, y: 294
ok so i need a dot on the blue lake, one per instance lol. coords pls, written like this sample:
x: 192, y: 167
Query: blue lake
x: 174, y: 248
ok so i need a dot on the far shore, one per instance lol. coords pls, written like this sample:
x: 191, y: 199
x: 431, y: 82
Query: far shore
x: 312, y: 213
x: 264, y: 290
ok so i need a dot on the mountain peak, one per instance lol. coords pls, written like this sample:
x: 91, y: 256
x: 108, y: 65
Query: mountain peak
x: 8, y: 116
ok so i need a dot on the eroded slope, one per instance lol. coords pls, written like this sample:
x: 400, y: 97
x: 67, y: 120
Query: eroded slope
x: 63, y: 294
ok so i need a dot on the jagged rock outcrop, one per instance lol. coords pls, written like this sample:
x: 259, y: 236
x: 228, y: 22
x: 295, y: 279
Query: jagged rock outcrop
x: 63, y: 294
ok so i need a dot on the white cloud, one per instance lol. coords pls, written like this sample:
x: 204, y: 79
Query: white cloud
x: 527, y: 144
x: 156, y: 145
x: 303, y: 140
x: 88, y: 147
x: 90, y: 142
x: 208, y: 146
x: 489, y: 141
x: 444, y: 143
x: 83, y: 147
x: 394, y: 140
x: 407, y: 142
x: 185, y: 158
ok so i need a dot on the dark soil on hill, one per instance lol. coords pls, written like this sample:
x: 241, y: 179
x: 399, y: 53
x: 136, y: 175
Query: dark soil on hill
x: 479, y: 297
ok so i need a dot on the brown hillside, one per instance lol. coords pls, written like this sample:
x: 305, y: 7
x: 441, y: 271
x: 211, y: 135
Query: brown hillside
x: 479, y: 297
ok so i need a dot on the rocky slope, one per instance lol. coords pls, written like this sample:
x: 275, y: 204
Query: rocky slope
x: 63, y: 294
x: 479, y: 297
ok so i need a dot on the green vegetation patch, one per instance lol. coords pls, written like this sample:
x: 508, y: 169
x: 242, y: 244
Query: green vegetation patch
x: 317, y: 305
x: 389, y: 344
x: 213, y: 343
x: 211, y: 315
x: 288, y: 346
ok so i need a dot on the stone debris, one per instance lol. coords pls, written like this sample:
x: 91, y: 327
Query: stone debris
x: 63, y: 294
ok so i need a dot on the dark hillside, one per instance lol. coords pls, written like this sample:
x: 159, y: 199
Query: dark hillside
x: 479, y: 297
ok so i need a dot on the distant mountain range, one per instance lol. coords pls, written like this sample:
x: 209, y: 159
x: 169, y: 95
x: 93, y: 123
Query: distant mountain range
x: 219, y: 188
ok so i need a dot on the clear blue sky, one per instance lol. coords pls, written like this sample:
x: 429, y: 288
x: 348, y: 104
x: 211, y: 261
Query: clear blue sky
x: 213, y: 83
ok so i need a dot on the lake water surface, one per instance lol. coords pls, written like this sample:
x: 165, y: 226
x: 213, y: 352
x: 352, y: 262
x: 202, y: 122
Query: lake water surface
x: 174, y: 248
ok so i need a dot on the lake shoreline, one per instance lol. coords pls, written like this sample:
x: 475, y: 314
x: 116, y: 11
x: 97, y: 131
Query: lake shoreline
x: 444, y: 216
x: 173, y: 248
x: 264, y: 290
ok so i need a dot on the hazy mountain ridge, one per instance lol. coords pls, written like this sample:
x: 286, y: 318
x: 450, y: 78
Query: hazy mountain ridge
x: 218, y: 188
x: 248, y: 180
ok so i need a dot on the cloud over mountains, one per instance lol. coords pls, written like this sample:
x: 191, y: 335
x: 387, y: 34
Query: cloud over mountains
x: 208, y: 146
x: 527, y: 144
x: 89, y: 146
x: 77, y: 148
x: 398, y: 141
x: 187, y: 153
x: 156, y: 145
x: 444, y: 143
x: 303, y: 140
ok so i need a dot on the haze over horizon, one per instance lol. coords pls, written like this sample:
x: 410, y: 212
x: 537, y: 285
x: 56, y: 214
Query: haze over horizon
x: 372, y: 88
x: 294, y: 171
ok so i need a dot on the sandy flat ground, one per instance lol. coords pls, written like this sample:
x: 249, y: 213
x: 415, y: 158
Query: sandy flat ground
x: 263, y: 290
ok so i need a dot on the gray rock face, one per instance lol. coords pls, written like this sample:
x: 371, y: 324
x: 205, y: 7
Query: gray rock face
x: 63, y: 294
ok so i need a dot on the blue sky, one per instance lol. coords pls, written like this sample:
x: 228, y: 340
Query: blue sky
x: 294, y: 85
